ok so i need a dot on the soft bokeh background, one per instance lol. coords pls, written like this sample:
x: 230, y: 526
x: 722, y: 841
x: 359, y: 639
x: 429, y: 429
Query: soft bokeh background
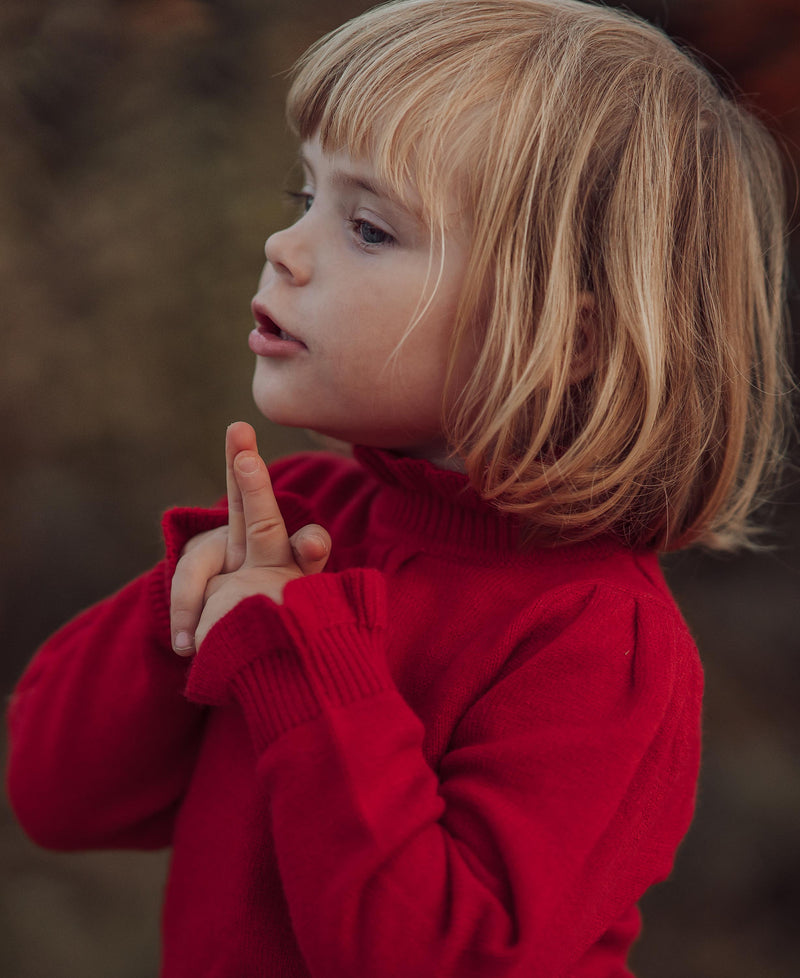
x: 142, y: 157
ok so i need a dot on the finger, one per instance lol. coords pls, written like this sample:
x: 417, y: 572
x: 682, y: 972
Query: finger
x: 187, y: 595
x: 239, y: 437
x: 266, y: 537
x: 311, y: 546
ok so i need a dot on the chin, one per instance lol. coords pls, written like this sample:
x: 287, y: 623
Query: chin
x: 274, y: 407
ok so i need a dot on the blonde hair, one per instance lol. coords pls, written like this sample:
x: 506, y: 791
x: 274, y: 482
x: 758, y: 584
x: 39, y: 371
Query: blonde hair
x: 624, y: 214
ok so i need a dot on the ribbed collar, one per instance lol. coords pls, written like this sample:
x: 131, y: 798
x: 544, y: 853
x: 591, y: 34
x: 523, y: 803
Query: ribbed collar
x: 438, y: 510
x: 437, y: 505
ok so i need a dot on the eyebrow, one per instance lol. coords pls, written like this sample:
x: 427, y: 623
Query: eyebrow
x: 341, y: 178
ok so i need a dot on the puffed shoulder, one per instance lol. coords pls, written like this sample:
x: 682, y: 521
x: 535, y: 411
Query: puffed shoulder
x: 595, y: 655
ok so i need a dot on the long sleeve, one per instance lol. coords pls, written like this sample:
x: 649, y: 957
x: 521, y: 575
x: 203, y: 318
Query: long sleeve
x: 102, y: 743
x: 561, y: 797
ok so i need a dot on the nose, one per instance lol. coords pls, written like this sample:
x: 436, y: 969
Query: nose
x: 287, y: 253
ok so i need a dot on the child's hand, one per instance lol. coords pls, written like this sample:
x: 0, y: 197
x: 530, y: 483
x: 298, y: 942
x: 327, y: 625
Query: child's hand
x: 252, y: 555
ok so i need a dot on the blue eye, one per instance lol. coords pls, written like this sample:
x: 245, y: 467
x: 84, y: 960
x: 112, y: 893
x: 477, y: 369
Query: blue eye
x: 301, y: 197
x: 369, y: 234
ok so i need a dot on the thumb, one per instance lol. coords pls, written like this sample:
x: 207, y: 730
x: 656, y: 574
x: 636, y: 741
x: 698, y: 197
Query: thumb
x: 311, y: 547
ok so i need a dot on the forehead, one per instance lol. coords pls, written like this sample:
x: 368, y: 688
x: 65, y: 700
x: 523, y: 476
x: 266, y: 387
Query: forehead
x: 355, y: 173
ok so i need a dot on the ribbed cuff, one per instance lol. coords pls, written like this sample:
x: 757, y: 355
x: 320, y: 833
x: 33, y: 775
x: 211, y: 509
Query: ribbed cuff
x: 179, y: 525
x: 324, y: 647
x: 159, y: 603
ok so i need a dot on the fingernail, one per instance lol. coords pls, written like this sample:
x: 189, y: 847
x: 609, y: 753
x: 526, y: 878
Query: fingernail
x: 248, y: 464
x: 183, y: 643
x: 319, y: 540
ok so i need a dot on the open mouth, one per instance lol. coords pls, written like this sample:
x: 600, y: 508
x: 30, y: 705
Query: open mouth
x: 271, y: 328
x: 272, y: 341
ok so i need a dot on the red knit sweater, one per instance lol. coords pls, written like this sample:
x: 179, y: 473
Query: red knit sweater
x: 446, y: 755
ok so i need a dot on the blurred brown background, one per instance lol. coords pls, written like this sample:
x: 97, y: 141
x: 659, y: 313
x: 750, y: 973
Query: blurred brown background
x: 142, y: 157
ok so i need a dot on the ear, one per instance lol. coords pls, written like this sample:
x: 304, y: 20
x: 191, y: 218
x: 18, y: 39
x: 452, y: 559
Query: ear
x: 584, y: 357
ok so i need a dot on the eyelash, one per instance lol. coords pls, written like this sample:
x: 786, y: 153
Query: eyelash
x: 303, y: 198
x: 359, y: 225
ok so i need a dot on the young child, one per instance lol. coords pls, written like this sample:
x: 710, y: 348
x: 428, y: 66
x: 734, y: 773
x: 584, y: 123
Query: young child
x: 433, y: 711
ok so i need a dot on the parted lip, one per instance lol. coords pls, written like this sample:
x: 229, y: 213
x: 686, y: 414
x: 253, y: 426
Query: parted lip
x: 267, y: 324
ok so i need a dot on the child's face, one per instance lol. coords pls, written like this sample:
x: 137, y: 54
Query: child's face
x: 340, y: 288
